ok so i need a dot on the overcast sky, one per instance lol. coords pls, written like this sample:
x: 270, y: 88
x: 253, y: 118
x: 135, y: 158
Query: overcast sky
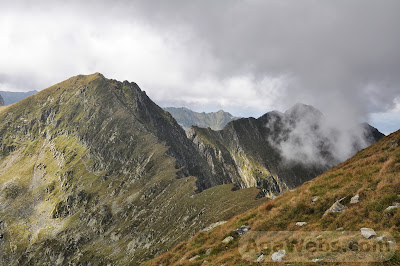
x: 244, y: 56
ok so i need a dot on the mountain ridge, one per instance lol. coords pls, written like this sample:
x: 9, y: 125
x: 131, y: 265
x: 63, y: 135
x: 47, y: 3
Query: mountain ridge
x: 248, y: 151
x: 85, y: 177
x: 187, y: 118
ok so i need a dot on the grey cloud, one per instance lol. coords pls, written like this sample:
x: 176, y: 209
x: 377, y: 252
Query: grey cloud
x: 341, y: 56
x: 346, y: 46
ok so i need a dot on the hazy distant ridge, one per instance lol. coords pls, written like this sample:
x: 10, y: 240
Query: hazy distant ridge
x: 187, y: 118
x: 11, y: 97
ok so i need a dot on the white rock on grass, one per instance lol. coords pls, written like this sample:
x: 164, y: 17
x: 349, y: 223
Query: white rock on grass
x: 212, y: 226
x: 278, y: 256
x: 394, y: 206
x: 368, y: 233
x: 194, y: 258
x: 355, y: 199
x: 261, y: 258
x: 380, y: 239
x: 336, y: 207
x: 208, y: 252
x: 301, y: 223
x: 314, y: 199
x: 227, y: 240
x: 316, y: 260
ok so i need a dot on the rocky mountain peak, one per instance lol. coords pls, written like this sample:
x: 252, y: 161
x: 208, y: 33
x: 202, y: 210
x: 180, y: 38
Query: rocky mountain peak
x: 93, y: 160
x: 302, y: 111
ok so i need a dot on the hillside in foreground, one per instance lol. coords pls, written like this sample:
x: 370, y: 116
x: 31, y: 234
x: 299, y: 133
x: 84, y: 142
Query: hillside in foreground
x: 368, y: 184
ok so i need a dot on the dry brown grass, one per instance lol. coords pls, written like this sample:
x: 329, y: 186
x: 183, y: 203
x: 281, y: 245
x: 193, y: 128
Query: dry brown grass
x: 373, y: 173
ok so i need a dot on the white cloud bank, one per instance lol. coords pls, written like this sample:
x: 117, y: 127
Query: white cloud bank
x: 247, y: 57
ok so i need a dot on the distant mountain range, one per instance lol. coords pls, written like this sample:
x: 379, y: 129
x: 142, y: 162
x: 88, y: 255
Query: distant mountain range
x: 187, y: 118
x: 11, y: 97
x: 1, y: 101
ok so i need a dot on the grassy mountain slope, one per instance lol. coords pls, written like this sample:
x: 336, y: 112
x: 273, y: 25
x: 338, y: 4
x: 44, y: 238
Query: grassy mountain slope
x: 187, y: 118
x: 373, y: 173
x: 92, y: 171
x: 11, y: 97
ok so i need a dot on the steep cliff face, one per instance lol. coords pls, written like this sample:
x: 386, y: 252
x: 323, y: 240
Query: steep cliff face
x: 187, y: 118
x: 92, y: 171
x: 248, y: 151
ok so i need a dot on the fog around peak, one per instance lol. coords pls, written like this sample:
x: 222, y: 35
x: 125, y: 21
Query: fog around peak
x: 303, y: 134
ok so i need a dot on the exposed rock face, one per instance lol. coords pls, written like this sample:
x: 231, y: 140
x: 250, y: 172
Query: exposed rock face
x: 247, y: 151
x: 1, y: 101
x: 94, y: 173
x: 187, y: 118
x: 242, y: 230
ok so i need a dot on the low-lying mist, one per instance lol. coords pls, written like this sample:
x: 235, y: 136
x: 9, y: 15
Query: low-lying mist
x: 304, y: 135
